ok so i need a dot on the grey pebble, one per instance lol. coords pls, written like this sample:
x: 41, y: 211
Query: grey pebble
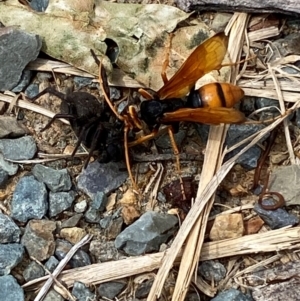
x: 23, y: 148
x: 10, y: 256
x: 29, y: 200
x: 147, y: 233
x: 10, y: 289
x: 55, y: 180
x: 9, y: 231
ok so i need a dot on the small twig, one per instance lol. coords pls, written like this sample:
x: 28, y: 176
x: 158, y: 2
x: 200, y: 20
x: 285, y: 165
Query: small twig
x: 285, y: 122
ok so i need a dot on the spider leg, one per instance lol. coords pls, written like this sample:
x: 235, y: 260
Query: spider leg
x: 49, y: 90
x: 97, y: 136
x: 84, y: 130
x: 56, y: 116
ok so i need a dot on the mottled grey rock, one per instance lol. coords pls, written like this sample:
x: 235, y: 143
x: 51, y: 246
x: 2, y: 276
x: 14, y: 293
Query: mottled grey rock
x: 17, y: 49
x: 23, y: 148
x: 101, y: 252
x: 105, y: 221
x: 10, y: 168
x: 92, y: 216
x: 111, y: 289
x: 72, y: 221
x: 55, y: 180
x: 100, y: 201
x: 39, y: 5
x: 29, y: 200
x: 10, y: 289
x: 32, y: 90
x: 286, y: 180
x: 98, y: 204
x: 60, y: 201
x: 232, y: 295
x: 80, y: 259
x: 10, y: 127
x: 143, y: 289
x: 9, y: 231
x: 33, y: 271
x: 53, y: 296
x: 212, y: 270
x: 51, y: 264
x: 276, y: 219
x: 23, y: 82
x: 147, y: 233
x: 237, y: 133
x: 81, y: 292
x: 101, y: 177
x: 10, y: 256
x: 38, y: 239
x: 3, y: 177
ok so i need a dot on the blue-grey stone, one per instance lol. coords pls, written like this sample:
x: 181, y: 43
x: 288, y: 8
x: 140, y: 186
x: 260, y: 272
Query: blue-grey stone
x: 10, y: 256
x: 17, y: 49
x: 23, y: 148
x: 60, y: 201
x: 111, y: 289
x: 10, y: 127
x: 100, y: 201
x: 33, y: 271
x: 29, y: 200
x: 147, y: 233
x: 212, y: 270
x: 101, y: 177
x: 3, y: 177
x: 232, y: 295
x: 51, y: 263
x: 55, y: 180
x: 52, y: 295
x: 39, y: 5
x: 10, y: 289
x: 9, y: 167
x: 82, y: 292
x: 23, y: 82
x: 9, y: 231
x: 276, y: 219
x: 32, y: 90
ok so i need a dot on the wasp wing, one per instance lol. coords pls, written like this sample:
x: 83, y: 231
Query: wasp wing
x: 205, y: 115
x: 206, y: 57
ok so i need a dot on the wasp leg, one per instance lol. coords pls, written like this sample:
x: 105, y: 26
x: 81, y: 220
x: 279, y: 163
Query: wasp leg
x: 127, y: 158
x: 148, y: 137
x: 166, y: 61
x: 176, y: 153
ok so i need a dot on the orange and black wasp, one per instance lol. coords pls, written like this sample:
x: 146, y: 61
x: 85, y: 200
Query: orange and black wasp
x: 211, y: 104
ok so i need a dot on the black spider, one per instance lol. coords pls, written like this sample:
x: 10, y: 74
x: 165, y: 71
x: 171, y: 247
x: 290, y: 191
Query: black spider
x: 89, y: 120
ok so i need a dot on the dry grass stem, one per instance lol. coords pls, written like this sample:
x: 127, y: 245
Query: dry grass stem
x: 263, y: 34
x: 118, y: 77
x: 285, y: 122
x: 24, y: 104
x: 270, y: 241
